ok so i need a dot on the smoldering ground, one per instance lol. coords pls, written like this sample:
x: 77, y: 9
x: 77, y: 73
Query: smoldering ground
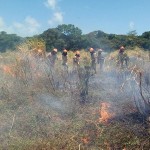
x: 38, y: 102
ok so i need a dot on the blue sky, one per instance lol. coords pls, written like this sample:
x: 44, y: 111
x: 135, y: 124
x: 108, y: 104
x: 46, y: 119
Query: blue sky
x: 31, y: 17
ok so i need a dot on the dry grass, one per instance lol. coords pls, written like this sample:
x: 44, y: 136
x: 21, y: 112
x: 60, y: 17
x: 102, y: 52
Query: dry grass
x: 40, y: 108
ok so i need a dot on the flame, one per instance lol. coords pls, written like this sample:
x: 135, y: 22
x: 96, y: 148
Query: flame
x: 105, y: 113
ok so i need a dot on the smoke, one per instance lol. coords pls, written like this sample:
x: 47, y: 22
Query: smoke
x: 52, y: 102
x: 39, y: 101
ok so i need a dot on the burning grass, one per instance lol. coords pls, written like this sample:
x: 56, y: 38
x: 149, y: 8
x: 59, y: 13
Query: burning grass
x: 41, y: 109
x: 105, y: 112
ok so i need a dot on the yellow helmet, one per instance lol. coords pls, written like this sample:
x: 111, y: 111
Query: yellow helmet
x: 65, y: 50
x: 91, y: 49
x: 77, y: 52
x: 122, y: 47
x: 55, y: 50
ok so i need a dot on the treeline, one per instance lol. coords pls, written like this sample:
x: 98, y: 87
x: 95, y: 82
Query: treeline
x: 71, y: 37
x: 9, y: 41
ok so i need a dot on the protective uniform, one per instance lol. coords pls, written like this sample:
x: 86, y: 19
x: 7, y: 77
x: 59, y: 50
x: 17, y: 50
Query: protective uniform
x: 93, y: 59
x: 76, y: 59
x: 64, y: 58
x: 52, y: 56
x: 121, y: 56
x: 100, y: 58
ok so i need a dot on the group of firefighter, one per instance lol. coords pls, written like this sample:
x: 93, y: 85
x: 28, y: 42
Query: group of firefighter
x: 96, y: 56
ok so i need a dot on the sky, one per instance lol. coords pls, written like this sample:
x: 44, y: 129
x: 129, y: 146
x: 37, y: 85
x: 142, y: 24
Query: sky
x: 32, y: 17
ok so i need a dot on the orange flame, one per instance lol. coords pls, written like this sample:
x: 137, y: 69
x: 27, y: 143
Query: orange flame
x: 105, y: 113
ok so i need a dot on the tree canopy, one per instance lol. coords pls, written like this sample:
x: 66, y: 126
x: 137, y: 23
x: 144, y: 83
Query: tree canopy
x: 72, y: 38
x: 8, y: 41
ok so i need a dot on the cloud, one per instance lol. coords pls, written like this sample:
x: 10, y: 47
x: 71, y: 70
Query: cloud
x: 32, y: 22
x: 56, y: 19
x: 51, y: 4
x: 2, y: 24
x: 18, y: 25
x: 28, y: 27
x: 131, y: 25
x: 32, y: 25
x: 57, y: 16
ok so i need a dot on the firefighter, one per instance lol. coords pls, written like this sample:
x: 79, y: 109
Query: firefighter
x: 76, y: 59
x: 84, y: 76
x: 126, y: 59
x: 121, y: 50
x: 65, y: 58
x: 123, y: 58
x: 52, y: 56
x: 93, y: 59
x: 100, y: 58
x: 120, y: 59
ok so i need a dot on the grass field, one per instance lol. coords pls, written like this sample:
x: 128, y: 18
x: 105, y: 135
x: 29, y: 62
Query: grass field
x: 41, y: 108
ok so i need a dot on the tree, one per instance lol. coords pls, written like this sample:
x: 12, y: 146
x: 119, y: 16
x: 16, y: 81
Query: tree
x: 146, y: 35
x: 53, y: 38
x: 8, y: 41
x: 69, y: 30
x: 71, y: 34
x: 101, y: 34
x: 132, y: 33
x: 132, y: 38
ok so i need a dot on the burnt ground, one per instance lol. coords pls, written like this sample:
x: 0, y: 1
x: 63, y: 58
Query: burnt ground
x: 63, y: 123
x: 128, y: 124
